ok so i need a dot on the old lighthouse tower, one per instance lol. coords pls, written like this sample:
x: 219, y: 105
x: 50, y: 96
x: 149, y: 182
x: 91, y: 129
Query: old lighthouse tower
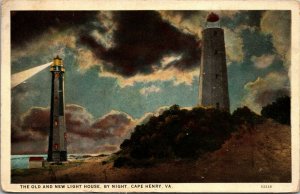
x: 213, y: 86
x: 57, y: 149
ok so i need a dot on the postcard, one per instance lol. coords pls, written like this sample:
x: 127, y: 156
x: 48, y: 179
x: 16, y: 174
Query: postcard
x: 150, y: 96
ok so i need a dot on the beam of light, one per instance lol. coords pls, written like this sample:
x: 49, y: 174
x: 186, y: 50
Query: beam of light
x: 20, y: 77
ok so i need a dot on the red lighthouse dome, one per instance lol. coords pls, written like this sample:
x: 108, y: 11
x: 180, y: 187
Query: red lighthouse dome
x: 212, y: 17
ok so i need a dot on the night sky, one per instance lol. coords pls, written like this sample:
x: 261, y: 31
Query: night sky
x: 123, y: 66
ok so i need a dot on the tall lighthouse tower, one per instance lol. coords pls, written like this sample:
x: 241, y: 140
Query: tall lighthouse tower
x: 57, y: 149
x: 213, y: 86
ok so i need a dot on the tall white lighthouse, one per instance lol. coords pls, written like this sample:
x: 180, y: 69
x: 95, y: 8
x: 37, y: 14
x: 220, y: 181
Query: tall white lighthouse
x: 213, y: 86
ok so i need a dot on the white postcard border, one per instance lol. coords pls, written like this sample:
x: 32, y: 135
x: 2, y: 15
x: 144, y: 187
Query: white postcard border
x: 9, y: 5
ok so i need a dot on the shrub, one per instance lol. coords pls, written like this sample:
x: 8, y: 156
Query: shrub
x: 179, y: 133
x: 120, y: 162
x: 245, y: 116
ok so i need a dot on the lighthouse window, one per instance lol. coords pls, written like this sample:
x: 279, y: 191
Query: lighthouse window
x: 217, y: 75
x: 215, y: 33
x: 216, y: 52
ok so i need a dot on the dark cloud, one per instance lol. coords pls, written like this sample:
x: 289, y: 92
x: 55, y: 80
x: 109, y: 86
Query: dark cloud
x: 37, y: 120
x: 78, y: 120
x: 26, y: 25
x: 84, y: 134
x: 113, y: 125
x: 34, y: 125
x: 18, y: 95
x: 29, y: 133
x: 141, y: 39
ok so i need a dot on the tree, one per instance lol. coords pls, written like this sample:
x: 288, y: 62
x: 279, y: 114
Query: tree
x: 280, y: 110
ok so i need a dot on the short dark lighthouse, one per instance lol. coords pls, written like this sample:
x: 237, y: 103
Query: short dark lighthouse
x: 213, y: 86
x: 57, y: 149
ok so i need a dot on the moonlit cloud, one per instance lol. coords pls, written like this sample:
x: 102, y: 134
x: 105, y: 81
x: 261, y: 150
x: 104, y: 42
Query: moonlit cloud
x: 86, y: 60
x: 50, y: 42
x: 151, y: 89
x: 170, y: 74
x: 194, y: 22
x: 265, y: 90
x: 278, y: 24
x: 263, y: 61
x: 169, y: 59
x: 190, y: 22
x: 234, y: 46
